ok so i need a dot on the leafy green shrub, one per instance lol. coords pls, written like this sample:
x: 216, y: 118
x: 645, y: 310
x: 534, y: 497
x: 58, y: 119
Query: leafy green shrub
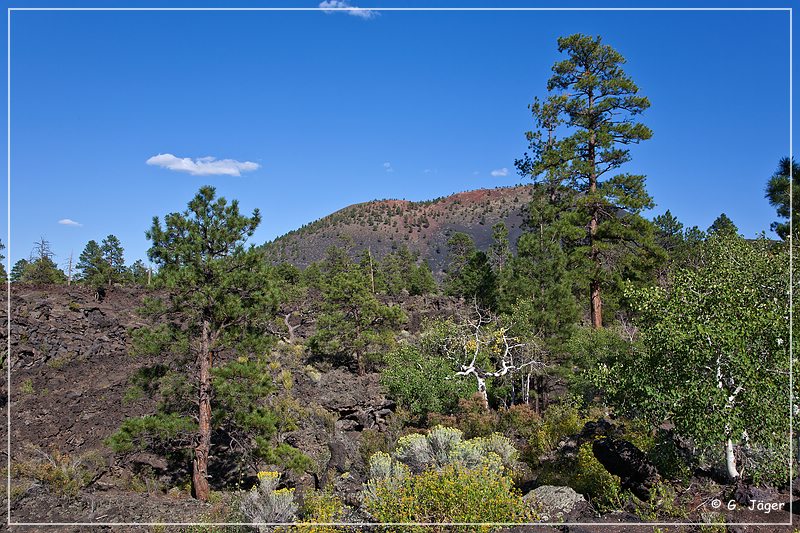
x: 422, y: 382
x: 558, y: 422
x: 593, y: 480
x: 666, y: 458
x: 452, y: 494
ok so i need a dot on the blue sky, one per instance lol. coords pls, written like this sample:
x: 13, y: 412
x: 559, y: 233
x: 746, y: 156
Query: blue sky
x: 335, y: 109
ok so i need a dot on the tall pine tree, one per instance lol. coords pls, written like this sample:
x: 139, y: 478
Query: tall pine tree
x: 593, y: 103
x: 218, y: 286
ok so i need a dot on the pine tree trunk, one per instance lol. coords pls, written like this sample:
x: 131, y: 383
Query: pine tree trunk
x: 360, y: 363
x: 596, y: 304
x: 203, y: 446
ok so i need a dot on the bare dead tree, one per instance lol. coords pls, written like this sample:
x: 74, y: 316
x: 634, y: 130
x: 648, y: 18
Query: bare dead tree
x: 484, y: 349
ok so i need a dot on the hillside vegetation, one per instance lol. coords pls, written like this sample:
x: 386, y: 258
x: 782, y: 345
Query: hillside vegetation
x: 542, y: 354
x: 383, y: 226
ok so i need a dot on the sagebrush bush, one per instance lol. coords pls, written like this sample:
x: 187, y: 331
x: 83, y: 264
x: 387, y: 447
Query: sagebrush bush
x: 266, y: 504
x: 451, y: 494
x: 443, y: 446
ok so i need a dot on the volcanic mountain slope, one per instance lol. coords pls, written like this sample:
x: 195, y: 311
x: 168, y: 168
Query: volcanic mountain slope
x: 424, y: 227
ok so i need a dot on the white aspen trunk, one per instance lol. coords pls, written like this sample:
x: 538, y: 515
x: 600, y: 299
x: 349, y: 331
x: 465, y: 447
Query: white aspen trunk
x: 730, y: 460
x: 482, y: 390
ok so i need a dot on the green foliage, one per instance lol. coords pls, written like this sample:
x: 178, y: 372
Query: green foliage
x: 681, y: 244
x: 421, y: 381
x: 113, y: 255
x: 26, y: 387
x: 591, y: 479
x: 41, y: 269
x: 220, y: 297
x: 558, y: 422
x: 469, y: 274
x: 452, y: 494
x: 470, y: 416
x: 353, y: 322
x: 777, y: 193
x: 584, y: 128
x: 158, y: 340
x: 18, y: 270
x: 249, y: 410
x: 715, y: 344
x: 212, y: 275
x: 104, y: 263
x: 401, y: 271
x: 159, y: 431
x: 138, y: 273
x: 592, y: 352
x: 723, y: 226
x: 537, y: 290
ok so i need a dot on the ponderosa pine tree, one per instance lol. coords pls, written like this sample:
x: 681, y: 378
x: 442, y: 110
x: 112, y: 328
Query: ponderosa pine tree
x: 778, y: 195
x: 138, y: 273
x: 91, y: 265
x: 113, y: 254
x: 723, y: 225
x: 353, y: 322
x: 219, y: 287
x: 537, y: 290
x: 469, y: 274
x: 593, y: 103
x: 401, y: 271
x: 18, y: 270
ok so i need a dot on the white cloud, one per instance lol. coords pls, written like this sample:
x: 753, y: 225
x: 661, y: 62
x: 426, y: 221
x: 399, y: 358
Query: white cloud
x: 332, y: 6
x: 387, y: 166
x: 69, y: 222
x: 203, y: 166
x: 499, y: 172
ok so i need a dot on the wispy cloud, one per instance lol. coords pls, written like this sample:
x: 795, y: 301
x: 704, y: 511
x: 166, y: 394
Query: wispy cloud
x: 499, y: 172
x: 69, y: 222
x: 203, y: 166
x: 333, y: 6
x: 387, y: 166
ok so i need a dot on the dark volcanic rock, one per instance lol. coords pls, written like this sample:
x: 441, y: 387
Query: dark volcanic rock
x: 625, y: 460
